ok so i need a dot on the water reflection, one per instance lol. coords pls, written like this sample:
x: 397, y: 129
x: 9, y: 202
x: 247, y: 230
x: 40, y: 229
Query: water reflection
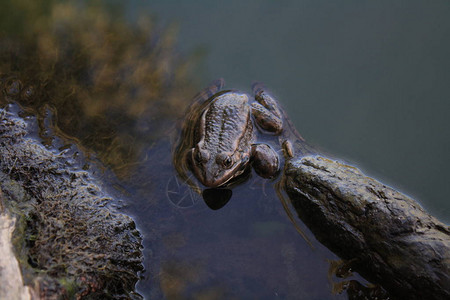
x: 115, y: 85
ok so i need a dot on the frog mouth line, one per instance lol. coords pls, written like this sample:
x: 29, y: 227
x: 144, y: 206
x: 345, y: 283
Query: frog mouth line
x: 223, y: 180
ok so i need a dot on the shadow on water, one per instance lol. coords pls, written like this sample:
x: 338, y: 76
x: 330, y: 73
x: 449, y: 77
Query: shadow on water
x: 116, y: 89
x: 216, y: 198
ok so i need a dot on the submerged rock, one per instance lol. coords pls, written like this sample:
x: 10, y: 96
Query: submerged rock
x: 384, y: 235
x: 69, y: 239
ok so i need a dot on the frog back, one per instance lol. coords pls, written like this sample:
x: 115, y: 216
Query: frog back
x: 226, y: 124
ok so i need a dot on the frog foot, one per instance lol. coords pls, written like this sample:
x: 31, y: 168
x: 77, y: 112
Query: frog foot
x: 265, y: 110
x: 288, y: 149
x: 265, y: 160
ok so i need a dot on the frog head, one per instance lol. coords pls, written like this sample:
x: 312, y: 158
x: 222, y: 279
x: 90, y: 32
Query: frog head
x: 215, y: 169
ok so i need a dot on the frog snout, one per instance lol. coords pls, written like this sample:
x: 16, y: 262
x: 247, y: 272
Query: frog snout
x: 215, y: 178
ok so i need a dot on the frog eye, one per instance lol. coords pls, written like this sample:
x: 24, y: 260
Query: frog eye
x: 197, y: 157
x: 226, y: 161
x: 200, y: 156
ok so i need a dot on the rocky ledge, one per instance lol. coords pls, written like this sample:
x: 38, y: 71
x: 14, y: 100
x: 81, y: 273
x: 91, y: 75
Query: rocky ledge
x: 384, y: 235
x: 60, y: 234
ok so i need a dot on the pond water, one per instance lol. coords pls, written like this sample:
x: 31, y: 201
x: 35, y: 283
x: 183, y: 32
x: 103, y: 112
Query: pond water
x: 364, y: 81
x: 247, y: 249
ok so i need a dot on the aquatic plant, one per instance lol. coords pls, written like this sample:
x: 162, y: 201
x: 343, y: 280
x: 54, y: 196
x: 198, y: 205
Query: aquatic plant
x: 113, y: 84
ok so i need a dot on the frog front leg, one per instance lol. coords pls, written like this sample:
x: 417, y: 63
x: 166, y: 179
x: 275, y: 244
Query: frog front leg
x: 265, y: 111
x: 264, y: 160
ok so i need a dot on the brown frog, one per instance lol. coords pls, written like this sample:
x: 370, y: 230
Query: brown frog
x: 221, y: 135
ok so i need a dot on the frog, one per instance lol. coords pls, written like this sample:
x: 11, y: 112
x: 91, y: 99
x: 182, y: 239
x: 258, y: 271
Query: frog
x: 221, y: 138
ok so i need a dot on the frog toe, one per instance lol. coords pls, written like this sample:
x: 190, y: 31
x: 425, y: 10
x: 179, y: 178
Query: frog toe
x: 266, y: 110
x: 266, y: 99
x: 266, y: 119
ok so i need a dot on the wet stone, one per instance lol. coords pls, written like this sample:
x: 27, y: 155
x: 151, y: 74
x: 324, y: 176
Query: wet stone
x: 98, y: 251
x: 388, y: 236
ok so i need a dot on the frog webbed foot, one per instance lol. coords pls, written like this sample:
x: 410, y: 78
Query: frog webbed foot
x: 265, y: 160
x: 266, y: 111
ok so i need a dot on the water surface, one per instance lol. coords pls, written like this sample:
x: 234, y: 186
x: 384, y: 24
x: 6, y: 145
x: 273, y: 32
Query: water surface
x: 365, y: 81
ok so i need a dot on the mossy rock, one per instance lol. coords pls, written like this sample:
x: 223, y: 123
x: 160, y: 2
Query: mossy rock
x: 70, y: 239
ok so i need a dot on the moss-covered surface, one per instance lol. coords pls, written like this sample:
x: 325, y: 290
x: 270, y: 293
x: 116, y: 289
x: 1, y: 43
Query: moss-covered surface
x: 69, y: 239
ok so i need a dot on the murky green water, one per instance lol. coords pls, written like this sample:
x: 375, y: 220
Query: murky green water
x: 365, y: 81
